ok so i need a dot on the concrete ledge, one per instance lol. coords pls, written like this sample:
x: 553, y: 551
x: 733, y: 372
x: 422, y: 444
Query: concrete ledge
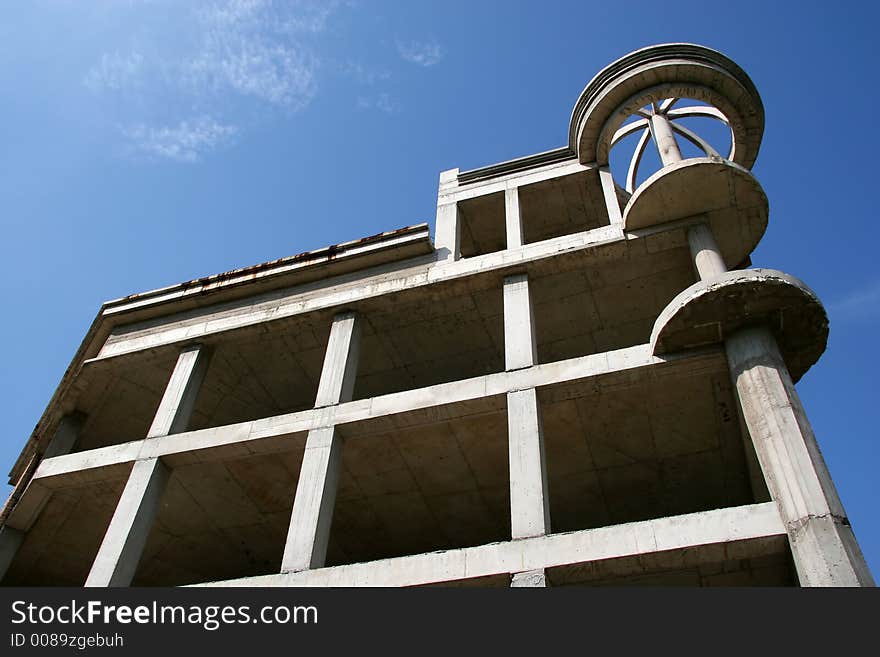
x: 727, y: 195
x: 735, y: 528
x: 711, y: 310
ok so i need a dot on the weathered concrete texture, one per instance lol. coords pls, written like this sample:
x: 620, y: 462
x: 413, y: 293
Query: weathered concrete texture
x: 126, y: 536
x: 709, y: 311
x: 123, y: 544
x: 824, y: 548
x: 736, y: 529
x: 529, y: 579
x: 529, y: 502
x: 312, y: 514
x: 725, y: 194
x: 520, y: 346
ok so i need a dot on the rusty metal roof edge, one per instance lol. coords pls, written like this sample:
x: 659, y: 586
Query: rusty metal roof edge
x: 216, y: 281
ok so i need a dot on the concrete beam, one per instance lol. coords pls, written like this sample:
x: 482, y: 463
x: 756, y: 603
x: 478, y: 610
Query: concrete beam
x: 822, y: 541
x: 529, y: 501
x: 344, y: 291
x: 194, y: 446
x: 457, y: 193
x: 123, y: 543
x: 736, y: 528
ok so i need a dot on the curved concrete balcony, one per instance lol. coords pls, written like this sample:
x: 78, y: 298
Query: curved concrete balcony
x: 711, y: 310
x: 720, y: 192
x: 667, y: 73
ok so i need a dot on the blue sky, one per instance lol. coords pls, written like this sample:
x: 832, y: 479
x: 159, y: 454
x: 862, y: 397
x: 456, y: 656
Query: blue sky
x: 143, y: 143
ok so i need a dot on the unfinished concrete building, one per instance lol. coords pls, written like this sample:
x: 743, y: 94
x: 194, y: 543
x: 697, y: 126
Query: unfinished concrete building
x: 578, y: 381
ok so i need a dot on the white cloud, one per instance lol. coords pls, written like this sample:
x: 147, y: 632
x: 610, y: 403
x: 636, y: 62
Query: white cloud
x: 185, y: 142
x: 114, y: 71
x: 423, y: 53
x: 382, y: 102
x: 230, y: 60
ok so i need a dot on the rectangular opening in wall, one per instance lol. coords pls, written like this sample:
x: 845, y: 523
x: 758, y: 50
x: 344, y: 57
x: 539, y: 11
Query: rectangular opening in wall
x: 605, y: 298
x: 425, y: 480
x: 60, y: 547
x: 118, y: 398
x: 224, y: 519
x: 562, y: 206
x: 483, y: 226
x: 647, y: 443
x: 267, y: 370
x: 430, y: 335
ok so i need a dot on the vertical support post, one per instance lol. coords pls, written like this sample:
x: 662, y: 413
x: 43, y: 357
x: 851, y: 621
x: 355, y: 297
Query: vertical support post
x: 529, y: 501
x: 822, y: 542
x: 520, y: 346
x: 665, y: 140
x: 513, y: 218
x: 529, y: 508
x: 609, y: 191
x: 705, y: 253
x: 312, y: 514
x: 447, y: 234
x: 123, y: 544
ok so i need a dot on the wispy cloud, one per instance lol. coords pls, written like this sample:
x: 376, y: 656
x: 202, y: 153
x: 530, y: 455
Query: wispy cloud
x: 861, y: 303
x: 423, y: 53
x: 183, y: 92
x: 382, y: 102
x: 185, y: 142
x: 114, y: 71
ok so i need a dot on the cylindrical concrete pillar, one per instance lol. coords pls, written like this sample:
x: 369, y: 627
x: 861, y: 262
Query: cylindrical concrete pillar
x: 665, y: 139
x: 822, y: 542
x: 704, y: 250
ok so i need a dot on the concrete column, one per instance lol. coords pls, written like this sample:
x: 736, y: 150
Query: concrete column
x: 123, y: 544
x: 520, y: 348
x: 609, y: 191
x: 340, y: 361
x: 513, y: 218
x: 10, y: 540
x: 447, y: 233
x: 179, y: 399
x: 665, y: 140
x: 529, y: 579
x: 66, y: 435
x: 529, y: 502
x: 312, y: 514
x: 704, y: 250
x: 130, y: 526
x: 822, y: 542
